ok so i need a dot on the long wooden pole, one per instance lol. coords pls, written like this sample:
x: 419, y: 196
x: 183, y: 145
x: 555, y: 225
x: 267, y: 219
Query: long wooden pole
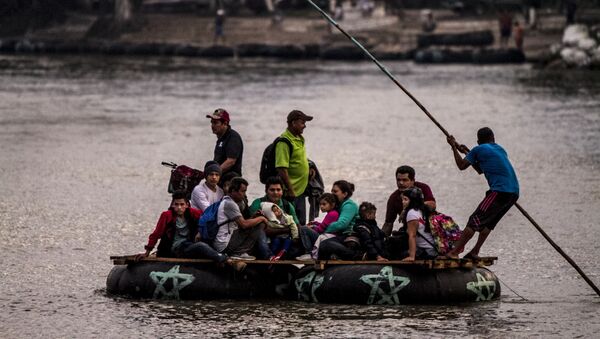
x: 430, y: 116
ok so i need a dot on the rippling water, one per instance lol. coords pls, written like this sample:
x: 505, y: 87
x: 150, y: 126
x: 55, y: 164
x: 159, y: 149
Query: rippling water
x: 82, y: 139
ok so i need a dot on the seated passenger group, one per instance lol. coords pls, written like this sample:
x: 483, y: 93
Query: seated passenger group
x: 269, y: 227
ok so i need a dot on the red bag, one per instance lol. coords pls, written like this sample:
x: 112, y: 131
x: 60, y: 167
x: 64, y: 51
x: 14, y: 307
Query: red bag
x: 183, y: 178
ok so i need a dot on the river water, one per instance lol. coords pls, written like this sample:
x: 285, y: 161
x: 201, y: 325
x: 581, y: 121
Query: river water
x: 82, y: 139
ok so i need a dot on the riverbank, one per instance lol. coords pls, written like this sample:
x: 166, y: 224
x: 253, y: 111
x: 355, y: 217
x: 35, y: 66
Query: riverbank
x: 306, y: 35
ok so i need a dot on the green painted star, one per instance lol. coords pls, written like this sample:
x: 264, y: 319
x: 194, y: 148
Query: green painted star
x: 307, y: 285
x: 480, y: 286
x: 180, y: 280
x: 389, y: 295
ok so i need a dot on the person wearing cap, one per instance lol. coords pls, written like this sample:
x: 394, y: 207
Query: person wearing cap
x: 207, y: 192
x: 292, y: 164
x: 229, y: 147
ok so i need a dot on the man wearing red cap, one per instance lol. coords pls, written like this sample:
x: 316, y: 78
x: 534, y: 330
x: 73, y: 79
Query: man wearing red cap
x: 292, y: 163
x: 229, y: 147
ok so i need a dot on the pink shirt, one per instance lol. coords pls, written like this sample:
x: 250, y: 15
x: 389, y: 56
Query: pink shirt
x: 331, y: 216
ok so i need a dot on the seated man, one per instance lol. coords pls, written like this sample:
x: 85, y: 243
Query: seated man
x: 177, y: 230
x: 273, y: 194
x: 237, y: 235
x: 405, y: 178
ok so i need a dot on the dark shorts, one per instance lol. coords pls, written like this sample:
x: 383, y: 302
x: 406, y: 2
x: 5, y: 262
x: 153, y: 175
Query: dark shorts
x: 489, y: 212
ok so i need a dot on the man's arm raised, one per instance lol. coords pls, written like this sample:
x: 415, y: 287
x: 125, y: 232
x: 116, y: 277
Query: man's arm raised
x: 461, y: 162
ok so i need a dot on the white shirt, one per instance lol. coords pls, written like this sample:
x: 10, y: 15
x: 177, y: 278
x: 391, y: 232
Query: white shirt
x: 203, y: 196
x: 415, y: 214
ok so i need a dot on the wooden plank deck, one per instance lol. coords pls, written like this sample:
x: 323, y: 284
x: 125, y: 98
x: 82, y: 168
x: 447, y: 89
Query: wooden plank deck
x: 322, y: 264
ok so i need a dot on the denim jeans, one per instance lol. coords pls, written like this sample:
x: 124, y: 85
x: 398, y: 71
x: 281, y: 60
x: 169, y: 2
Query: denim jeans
x: 278, y: 244
x: 308, y: 237
x: 200, y: 250
x: 262, y: 246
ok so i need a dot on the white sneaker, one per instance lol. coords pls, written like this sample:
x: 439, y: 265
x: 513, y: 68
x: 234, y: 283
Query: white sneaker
x: 304, y: 257
x: 243, y: 256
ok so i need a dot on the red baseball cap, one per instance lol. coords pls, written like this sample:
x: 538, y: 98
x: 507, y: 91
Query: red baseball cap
x: 219, y: 114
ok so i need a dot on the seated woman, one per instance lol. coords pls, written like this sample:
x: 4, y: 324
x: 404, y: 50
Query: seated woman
x: 420, y: 240
x: 348, y: 210
x: 280, y: 244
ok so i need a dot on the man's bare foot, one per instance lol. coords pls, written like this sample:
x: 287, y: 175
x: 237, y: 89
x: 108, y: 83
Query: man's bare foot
x: 451, y: 255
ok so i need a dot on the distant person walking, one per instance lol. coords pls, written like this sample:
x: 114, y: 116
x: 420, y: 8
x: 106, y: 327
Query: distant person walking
x: 518, y: 29
x: 219, y: 23
x: 570, y: 7
x: 490, y: 159
x: 505, y: 25
x: 428, y: 23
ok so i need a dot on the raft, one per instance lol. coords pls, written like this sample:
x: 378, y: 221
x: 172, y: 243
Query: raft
x: 333, y: 281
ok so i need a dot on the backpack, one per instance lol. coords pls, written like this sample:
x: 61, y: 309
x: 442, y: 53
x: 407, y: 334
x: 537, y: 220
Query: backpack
x: 445, y: 232
x: 183, y: 178
x: 208, y: 227
x: 267, y: 163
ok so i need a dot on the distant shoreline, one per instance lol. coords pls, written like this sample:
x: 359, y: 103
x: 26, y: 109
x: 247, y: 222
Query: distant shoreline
x: 309, y: 37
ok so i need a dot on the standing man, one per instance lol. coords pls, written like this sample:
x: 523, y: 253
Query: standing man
x: 292, y: 164
x: 405, y: 179
x: 490, y: 159
x: 229, y: 148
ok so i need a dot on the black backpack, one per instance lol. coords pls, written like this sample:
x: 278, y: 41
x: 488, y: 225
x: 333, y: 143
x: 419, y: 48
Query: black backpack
x: 267, y: 164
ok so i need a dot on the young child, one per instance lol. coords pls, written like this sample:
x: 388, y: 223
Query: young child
x: 278, y: 219
x: 370, y: 235
x: 328, y: 204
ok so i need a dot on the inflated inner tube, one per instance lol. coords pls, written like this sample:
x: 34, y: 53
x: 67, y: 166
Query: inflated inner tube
x: 393, y: 285
x: 162, y: 280
x: 341, y: 284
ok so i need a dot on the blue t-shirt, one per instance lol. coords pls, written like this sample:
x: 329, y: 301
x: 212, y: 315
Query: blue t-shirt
x: 493, y: 161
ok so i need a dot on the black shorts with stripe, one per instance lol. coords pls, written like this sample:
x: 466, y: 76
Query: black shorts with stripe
x: 493, y: 207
